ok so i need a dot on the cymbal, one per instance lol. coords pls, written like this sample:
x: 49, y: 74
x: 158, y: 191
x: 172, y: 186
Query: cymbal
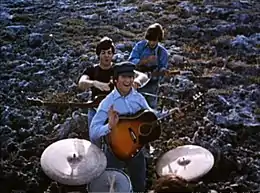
x: 73, y: 161
x: 189, y: 162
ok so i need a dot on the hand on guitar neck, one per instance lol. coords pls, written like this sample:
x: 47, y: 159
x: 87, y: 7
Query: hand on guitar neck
x: 177, y: 113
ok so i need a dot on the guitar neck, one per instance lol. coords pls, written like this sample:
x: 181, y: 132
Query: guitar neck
x: 171, y: 112
x: 89, y: 104
x: 69, y: 104
x: 157, y: 73
x: 163, y: 73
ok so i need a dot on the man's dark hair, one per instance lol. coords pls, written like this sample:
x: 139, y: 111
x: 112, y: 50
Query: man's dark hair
x: 104, y: 44
x: 154, y: 32
x: 171, y: 183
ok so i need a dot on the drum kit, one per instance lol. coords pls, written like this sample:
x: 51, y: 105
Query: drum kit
x: 77, y: 162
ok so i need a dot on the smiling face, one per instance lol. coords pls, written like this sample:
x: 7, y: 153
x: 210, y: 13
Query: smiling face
x: 106, y: 58
x: 124, y: 84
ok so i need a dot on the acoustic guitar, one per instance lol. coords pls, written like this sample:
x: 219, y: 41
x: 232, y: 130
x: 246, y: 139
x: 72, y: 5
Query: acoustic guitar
x: 132, y: 132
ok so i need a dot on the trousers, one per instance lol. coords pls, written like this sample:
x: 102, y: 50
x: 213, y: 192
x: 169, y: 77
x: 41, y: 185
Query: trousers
x: 136, y: 168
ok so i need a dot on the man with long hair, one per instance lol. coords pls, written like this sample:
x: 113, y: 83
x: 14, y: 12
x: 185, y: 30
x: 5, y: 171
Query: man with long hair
x: 149, y: 56
x: 123, y: 100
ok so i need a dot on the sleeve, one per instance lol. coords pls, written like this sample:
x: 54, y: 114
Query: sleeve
x: 89, y: 71
x: 135, y: 55
x: 98, y: 126
x: 140, y: 77
x: 163, y: 61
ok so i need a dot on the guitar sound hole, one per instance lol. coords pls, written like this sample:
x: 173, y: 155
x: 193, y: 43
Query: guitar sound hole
x: 145, y: 130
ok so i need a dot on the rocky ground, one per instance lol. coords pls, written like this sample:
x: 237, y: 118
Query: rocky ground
x: 45, y: 45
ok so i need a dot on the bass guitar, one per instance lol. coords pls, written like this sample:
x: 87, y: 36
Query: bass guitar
x: 89, y: 104
x: 132, y: 132
x: 160, y: 73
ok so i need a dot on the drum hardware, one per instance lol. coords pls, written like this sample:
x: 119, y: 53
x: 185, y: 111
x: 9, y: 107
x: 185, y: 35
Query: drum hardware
x: 111, y: 180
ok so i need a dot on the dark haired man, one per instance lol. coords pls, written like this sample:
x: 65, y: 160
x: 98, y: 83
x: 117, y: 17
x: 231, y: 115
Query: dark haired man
x: 121, y: 101
x: 149, y: 55
x: 98, y: 77
x: 171, y: 183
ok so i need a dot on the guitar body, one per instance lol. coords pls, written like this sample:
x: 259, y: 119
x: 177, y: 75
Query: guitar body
x: 124, y: 139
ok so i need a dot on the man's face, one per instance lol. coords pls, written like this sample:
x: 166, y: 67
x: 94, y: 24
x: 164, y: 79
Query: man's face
x: 106, y: 57
x: 152, y: 43
x: 124, y: 84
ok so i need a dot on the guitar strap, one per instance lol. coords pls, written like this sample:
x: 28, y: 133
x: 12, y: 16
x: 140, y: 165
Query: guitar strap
x: 104, y: 145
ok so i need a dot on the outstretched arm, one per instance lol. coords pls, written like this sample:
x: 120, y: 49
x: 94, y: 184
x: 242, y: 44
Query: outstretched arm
x: 84, y: 82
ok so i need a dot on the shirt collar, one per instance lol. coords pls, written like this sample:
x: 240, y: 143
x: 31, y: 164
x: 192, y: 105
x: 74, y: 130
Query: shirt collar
x: 146, y: 45
x: 117, y: 95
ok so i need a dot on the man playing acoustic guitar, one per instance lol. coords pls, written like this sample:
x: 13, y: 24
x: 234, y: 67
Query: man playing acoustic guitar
x: 97, y: 77
x: 124, y: 99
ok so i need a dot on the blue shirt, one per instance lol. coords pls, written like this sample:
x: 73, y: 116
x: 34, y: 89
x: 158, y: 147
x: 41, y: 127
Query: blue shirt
x: 142, y: 50
x: 129, y: 104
